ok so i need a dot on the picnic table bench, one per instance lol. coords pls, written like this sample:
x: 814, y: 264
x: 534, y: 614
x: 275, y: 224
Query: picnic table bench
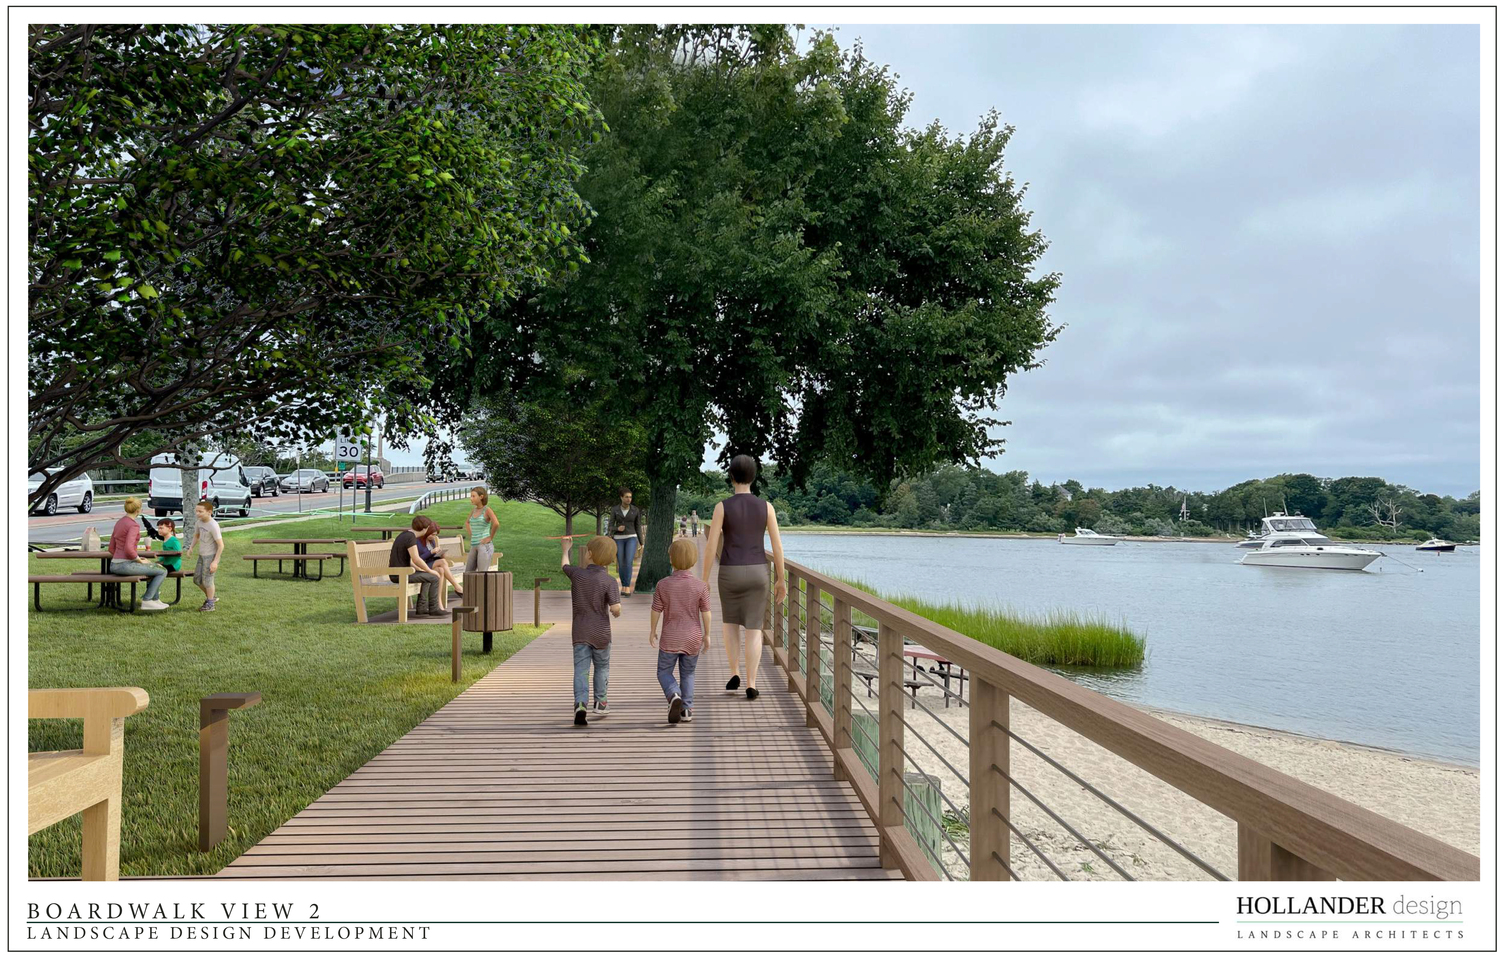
x: 110, y: 585
x: 299, y: 557
x: 942, y: 669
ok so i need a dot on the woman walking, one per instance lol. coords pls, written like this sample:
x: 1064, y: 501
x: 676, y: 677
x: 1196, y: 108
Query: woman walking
x: 625, y: 527
x: 743, y: 520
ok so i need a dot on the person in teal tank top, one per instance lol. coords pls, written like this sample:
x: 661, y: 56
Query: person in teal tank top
x: 483, y: 525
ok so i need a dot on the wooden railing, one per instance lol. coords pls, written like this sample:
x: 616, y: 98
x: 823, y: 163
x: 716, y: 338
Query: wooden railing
x: 1287, y: 829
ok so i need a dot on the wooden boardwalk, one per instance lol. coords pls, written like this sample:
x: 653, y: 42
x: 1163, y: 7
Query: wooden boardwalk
x: 499, y: 784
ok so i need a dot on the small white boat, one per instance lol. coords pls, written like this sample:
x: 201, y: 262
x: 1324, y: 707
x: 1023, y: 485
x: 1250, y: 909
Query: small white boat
x: 1439, y: 546
x: 1082, y: 535
x: 1295, y: 542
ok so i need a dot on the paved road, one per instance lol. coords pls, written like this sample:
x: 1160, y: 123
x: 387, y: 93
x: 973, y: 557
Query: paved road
x: 70, y: 525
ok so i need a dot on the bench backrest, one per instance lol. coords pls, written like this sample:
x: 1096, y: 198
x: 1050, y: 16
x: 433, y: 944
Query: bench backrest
x: 367, y: 554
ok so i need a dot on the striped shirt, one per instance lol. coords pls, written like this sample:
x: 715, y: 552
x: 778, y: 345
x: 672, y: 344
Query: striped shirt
x: 679, y: 599
x: 594, y: 592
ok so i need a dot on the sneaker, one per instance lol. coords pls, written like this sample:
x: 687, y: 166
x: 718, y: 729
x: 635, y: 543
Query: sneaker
x: 674, y: 710
x: 153, y: 605
x: 734, y: 683
x: 208, y: 607
x: 687, y: 716
x: 751, y: 693
x: 601, y: 709
x: 581, y: 717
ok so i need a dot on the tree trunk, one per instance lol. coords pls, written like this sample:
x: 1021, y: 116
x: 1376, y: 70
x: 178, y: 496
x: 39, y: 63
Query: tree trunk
x: 654, y: 561
x: 568, y: 524
x: 189, y: 477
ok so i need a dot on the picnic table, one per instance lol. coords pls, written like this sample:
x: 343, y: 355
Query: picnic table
x: 386, y: 533
x: 109, y: 591
x: 299, y: 556
x: 942, y: 668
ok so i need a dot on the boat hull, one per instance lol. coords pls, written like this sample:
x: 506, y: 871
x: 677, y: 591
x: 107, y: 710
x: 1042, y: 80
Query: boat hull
x: 1311, y: 560
x: 1089, y: 541
x: 1440, y: 549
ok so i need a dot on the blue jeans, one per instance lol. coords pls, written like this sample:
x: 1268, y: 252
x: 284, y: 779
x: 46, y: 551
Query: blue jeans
x: 625, y: 555
x: 583, y: 655
x: 154, y: 572
x: 688, y: 665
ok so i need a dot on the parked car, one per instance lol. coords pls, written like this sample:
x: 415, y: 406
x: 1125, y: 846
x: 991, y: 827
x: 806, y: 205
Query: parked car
x: 362, y: 474
x: 305, y: 481
x: 263, y: 481
x: 221, y: 479
x: 78, y: 493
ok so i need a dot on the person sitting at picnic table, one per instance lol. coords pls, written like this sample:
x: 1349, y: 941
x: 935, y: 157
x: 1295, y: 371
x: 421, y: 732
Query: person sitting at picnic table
x: 125, y: 559
x: 404, y: 553
x: 433, y: 556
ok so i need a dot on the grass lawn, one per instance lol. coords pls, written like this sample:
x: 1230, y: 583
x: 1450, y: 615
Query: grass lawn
x: 334, y: 693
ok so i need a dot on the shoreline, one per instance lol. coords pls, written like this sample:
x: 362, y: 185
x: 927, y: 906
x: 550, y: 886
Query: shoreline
x: 1024, y: 535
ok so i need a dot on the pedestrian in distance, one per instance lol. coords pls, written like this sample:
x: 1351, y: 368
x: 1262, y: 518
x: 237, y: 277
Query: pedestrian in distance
x: 625, y: 528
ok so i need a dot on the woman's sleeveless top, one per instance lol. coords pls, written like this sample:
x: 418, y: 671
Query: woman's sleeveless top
x: 479, y: 528
x: 744, y: 530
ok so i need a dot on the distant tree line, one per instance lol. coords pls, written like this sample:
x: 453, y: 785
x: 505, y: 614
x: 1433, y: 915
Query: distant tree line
x: 955, y: 498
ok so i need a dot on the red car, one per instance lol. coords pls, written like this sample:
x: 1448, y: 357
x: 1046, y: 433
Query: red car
x: 362, y: 474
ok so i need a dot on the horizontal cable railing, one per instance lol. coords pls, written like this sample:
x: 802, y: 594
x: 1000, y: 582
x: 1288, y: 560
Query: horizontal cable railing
x: 939, y: 782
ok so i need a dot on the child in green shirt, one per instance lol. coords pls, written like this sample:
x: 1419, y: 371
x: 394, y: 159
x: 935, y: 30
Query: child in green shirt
x: 171, y: 545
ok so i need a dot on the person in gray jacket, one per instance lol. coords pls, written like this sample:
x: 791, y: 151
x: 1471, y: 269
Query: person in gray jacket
x: 625, y: 528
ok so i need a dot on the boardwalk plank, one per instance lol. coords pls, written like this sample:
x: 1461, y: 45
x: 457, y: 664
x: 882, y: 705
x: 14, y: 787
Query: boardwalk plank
x: 500, y: 785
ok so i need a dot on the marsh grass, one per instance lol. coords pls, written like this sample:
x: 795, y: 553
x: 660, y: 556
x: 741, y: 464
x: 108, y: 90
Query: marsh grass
x: 1060, y: 638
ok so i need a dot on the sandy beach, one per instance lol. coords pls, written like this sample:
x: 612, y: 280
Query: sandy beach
x: 1439, y: 799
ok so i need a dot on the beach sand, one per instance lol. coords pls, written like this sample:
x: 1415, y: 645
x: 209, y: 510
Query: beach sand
x: 1438, y: 799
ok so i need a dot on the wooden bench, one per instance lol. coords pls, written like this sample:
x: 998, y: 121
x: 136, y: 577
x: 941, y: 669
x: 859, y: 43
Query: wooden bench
x: 104, y: 580
x: 296, y: 559
x: 177, y: 575
x: 370, y: 573
x: 88, y: 780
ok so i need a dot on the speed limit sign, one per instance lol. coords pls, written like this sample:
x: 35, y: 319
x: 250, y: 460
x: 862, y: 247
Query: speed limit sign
x: 347, y: 448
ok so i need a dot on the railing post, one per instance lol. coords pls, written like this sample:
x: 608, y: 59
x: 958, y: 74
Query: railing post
x: 813, y: 641
x: 1262, y: 860
x: 793, y: 623
x: 213, y: 764
x: 892, y: 816
x: 778, y: 615
x: 843, y: 682
x: 989, y: 792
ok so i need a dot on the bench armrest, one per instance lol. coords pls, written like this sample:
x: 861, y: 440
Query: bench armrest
x: 112, y: 702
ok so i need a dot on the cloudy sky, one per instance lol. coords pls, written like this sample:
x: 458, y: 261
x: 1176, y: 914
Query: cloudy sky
x: 1268, y: 237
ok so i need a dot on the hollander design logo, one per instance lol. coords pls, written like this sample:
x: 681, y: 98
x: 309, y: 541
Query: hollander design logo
x: 1348, y: 917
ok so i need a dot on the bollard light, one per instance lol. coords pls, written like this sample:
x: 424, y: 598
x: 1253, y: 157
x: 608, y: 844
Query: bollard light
x: 213, y: 763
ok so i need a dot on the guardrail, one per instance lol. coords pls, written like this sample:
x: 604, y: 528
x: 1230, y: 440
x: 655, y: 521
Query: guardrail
x: 439, y: 495
x: 1287, y: 829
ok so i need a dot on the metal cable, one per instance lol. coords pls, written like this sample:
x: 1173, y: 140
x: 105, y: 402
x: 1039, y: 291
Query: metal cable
x: 1029, y: 844
x: 1184, y: 852
x: 951, y: 768
x: 961, y: 813
x: 1064, y: 823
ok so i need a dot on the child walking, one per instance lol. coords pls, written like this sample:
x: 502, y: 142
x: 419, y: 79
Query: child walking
x: 209, y: 543
x: 680, y: 606
x: 596, y: 595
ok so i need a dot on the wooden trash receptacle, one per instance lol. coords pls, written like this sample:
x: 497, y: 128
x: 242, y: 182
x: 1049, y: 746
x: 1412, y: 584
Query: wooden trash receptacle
x: 489, y: 593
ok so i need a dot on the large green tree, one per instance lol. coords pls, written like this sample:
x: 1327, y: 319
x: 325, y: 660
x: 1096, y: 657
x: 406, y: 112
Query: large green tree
x: 247, y: 228
x: 776, y: 258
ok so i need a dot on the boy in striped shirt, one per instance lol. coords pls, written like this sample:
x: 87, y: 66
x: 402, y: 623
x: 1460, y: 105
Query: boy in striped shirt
x: 596, y: 596
x: 680, y: 609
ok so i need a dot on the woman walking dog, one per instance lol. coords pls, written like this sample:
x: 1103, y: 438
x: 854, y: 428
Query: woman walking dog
x: 743, y: 520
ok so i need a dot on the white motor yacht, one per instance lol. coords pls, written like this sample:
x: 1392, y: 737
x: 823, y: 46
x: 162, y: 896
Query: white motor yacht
x: 1295, y: 542
x: 1438, y: 545
x: 1082, y: 535
x: 1252, y: 541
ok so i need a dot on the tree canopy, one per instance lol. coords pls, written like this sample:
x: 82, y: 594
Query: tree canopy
x: 775, y: 257
x: 247, y: 227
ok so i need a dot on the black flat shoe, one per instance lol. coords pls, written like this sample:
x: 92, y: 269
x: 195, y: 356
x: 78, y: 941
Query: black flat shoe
x: 751, y: 693
x: 734, y: 683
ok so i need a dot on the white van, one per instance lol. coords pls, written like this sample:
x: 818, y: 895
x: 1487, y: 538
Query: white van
x: 226, y: 484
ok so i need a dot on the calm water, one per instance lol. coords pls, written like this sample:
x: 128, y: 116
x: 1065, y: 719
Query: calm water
x: 1388, y: 657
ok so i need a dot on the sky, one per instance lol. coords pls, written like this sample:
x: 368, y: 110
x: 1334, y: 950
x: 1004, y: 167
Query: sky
x: 1268, y: 239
